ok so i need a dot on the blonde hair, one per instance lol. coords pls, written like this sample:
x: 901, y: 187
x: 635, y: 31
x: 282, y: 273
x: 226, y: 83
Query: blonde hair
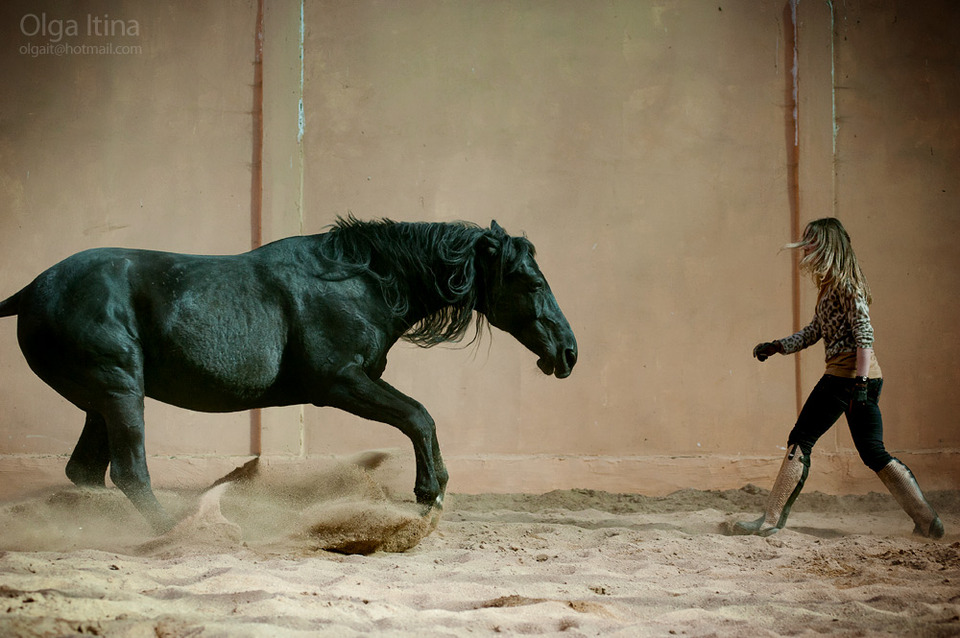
x: 832, y: 262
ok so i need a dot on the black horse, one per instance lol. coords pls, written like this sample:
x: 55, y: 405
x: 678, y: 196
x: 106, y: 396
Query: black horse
x: 301, y: 320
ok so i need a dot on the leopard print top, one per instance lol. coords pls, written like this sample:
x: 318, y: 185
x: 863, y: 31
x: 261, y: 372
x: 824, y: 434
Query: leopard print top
x: 842, y: 320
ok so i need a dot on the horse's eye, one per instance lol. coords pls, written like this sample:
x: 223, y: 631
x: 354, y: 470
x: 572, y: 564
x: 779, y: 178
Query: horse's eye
x: 535, y: 286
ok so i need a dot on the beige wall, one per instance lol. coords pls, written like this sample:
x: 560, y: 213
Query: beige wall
x: 644, y: 147
x: 149, y: 149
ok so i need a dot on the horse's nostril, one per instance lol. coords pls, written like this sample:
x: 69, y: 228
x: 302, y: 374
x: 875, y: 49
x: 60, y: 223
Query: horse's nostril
x: 570, y: 357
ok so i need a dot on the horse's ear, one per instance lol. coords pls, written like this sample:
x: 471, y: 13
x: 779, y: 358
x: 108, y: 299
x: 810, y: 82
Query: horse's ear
x: 491, y: 241
x: 495, y: 227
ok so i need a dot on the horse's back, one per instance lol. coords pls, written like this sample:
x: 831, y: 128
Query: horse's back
x: 105, y: 285
x: 205, y: 332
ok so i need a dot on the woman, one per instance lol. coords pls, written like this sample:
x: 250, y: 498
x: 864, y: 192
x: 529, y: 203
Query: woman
x: 850, y: 386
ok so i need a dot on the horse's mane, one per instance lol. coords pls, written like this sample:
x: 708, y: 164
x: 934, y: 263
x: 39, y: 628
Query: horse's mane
x: 417, y: 263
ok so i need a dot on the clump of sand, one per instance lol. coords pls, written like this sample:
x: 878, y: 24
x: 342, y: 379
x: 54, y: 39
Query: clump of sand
x: 284, y: 509
x: 340, y: 509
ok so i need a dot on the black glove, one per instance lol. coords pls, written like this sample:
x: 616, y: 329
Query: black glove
x: 859, y: 395
x: 765, y: 350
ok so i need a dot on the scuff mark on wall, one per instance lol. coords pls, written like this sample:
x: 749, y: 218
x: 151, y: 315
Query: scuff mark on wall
x: 301, y: 120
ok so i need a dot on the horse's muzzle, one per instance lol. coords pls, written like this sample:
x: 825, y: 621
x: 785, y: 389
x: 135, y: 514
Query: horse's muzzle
x: 562, y: 366
x: 567, y: 360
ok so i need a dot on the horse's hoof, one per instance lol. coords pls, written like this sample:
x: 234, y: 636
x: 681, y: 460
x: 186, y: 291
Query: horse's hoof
x: 428, y: 508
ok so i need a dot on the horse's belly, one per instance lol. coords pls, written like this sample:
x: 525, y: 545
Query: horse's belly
x: 204, y: 399
x: 222, y: 385
x: 214, y: 371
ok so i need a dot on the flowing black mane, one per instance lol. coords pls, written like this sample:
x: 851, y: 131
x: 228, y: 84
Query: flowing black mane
x: 419, y: 264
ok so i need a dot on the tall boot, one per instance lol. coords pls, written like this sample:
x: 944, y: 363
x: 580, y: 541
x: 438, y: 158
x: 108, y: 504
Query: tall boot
x: 793, y: 473
x: 903, y: 485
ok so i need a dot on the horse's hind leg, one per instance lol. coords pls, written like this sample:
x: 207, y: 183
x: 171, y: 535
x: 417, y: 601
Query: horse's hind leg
x: 87, y: 466
x: 128, y: 459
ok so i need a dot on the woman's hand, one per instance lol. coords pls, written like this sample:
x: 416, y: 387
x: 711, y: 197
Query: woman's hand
x: 859, y: 395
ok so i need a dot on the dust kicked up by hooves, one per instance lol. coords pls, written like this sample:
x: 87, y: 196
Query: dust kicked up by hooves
x: 288, y: 509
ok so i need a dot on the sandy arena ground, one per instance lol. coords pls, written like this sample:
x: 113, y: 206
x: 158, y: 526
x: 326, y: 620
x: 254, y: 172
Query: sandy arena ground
x: 248, y: 561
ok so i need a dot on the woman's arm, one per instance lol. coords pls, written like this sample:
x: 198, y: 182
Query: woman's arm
x: 863, y: 361
x: 863, y: 335
x: 805, y: 338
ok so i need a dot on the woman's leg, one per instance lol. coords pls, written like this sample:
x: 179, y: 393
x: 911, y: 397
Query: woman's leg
x: 903, y: 485
x: 866, y: 427
x: 820, y: 411
x: 827, y: 401
x: 786, y: 488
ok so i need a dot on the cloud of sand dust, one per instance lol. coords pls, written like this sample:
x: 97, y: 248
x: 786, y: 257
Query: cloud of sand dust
x: 73, y: 518
x: 274, y: 509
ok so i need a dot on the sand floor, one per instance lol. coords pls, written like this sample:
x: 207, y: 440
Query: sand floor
x: 248, y: 560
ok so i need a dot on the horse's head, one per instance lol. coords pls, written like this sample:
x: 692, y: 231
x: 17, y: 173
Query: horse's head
x: 517, y: 299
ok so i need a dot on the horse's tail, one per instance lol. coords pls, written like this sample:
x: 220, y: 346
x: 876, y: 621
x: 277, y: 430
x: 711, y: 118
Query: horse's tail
x: 10, y: 306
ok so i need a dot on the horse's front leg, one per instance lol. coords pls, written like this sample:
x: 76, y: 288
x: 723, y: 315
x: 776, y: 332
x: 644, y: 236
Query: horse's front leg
x: 438, y: 466
x: 355, y: 392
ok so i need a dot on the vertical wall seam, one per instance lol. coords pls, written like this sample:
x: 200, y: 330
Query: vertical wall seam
x: 256, y: 162
x: 256, y: 191
x: 793, y: 35
x: 301, y: 127
x: 301, y: 117
x: 833, y: 104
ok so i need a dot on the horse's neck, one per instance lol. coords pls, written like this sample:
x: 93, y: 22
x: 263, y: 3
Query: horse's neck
x: 430, y: 290
x: 429, y: 287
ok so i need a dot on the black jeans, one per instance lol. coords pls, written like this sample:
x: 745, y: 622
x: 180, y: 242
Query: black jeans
x: 829, y: 399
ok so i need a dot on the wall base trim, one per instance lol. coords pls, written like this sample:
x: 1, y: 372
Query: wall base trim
x: 22, y: 475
